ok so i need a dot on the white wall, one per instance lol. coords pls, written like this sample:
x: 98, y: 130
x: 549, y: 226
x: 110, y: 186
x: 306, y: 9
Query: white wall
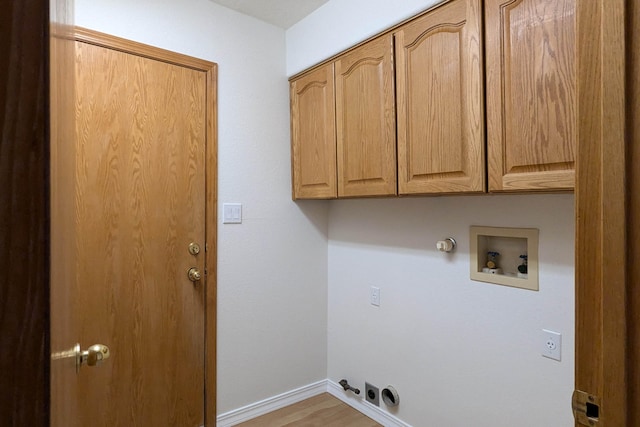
x: 459, y: 352
x: 272, y: 276
x: 339, y: 24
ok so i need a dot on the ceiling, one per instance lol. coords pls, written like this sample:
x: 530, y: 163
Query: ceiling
x: 281, y: 13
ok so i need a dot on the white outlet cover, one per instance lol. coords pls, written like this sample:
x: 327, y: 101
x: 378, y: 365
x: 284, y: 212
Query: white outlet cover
x: 551, y: 344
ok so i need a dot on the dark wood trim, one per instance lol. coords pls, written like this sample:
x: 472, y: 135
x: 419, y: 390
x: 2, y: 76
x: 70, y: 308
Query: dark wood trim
x: 633, y: 209
x: 24, y: 213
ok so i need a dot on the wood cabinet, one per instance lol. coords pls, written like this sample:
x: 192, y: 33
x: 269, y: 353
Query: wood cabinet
x: 313, y: 135
x: 531, y: 94
x: 365, y: 118
x: 439, y: 57
x: 440, y: 101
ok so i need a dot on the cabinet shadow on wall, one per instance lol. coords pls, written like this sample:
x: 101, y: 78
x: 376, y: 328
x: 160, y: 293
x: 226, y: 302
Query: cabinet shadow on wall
x: 414, y: 225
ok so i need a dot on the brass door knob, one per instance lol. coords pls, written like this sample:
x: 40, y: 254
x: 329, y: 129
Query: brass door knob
x: 194, y: 274
x: 93, y: 356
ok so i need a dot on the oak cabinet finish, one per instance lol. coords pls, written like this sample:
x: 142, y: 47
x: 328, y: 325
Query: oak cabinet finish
x: 531, y: 94
x: 440, y: 101
x: 313, y: 135
x: 529, y: 65
x: 365, y: 119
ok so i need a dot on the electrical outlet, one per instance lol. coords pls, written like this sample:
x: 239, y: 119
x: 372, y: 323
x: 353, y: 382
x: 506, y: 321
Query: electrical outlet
x: 375, y: 296
x: 371, y: 394
x: 552, y: 344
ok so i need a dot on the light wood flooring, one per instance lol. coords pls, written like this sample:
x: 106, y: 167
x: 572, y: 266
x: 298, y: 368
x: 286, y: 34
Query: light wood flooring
x: 322, y: 410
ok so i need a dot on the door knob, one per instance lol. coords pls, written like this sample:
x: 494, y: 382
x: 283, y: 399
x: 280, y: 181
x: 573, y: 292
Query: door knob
x: 93, y: 356
x: 194, y: 274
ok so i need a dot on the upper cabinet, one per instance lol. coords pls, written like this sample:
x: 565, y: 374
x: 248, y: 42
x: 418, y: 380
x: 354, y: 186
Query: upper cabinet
x: 531, y: 88
x: 440, y: 101
x: 443, y: 64
x: 366, y: 120
x: 313, y: 135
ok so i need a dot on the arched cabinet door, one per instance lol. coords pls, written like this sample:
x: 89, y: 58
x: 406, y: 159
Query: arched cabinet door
x: 313, y: 135
x: 365, y: 119
x: 440, y: 101
x: 531, y: 94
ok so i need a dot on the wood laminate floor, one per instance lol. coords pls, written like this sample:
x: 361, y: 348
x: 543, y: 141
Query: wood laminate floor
x: 322, y: 410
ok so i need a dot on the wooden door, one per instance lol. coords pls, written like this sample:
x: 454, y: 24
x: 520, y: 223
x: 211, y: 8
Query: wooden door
x: 440, y: 101
x: 143, y: 191
x: 365, y: 120
x: 531, y: 94
x: 313, y: 135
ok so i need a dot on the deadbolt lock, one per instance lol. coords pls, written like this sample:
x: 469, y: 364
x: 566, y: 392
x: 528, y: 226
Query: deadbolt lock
x: 194, y: 248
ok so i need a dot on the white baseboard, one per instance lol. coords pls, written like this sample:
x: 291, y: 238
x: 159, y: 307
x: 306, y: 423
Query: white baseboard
x: 271, y: 404
x: 358, y: 403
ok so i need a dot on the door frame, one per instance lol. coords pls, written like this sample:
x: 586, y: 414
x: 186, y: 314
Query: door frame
x: 633, y: 210
x: 24, y: 213
x: 603, y: 220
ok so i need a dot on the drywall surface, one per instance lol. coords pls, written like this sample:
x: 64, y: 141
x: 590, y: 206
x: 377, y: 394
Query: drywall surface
x: 340, y: 24
x: 458, y: 352
x: 272, y: 268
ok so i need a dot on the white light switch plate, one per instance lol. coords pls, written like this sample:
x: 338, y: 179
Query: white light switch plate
x: 232, y: 213
x: 375, y: 296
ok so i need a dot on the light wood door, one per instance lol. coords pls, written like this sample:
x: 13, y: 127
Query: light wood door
x: 531, y: 94
x: 440, y: 101
x: 365, y: 120
x: 313, y: 135
x: 143, y: 149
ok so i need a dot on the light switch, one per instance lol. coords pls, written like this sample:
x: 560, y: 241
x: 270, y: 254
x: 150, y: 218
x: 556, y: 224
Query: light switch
x: 232, y: 213
x: 375, y: 296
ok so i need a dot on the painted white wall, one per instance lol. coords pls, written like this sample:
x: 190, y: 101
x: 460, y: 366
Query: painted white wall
x: 459, y: 352
x: 340, y: 24
x: 272, y: 274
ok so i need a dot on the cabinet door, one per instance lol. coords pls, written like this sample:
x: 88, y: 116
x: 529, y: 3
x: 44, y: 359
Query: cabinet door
x: 365, y: 118
x: 531, y: 94
x: 440, y: 101
x: 313, y: 135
